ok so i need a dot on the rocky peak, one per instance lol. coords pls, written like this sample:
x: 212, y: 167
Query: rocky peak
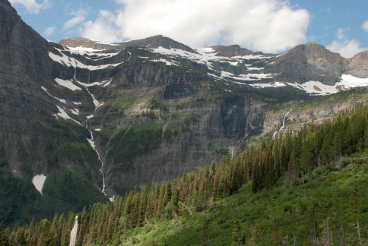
x: 309, y: 62
x: 155, y: 42
x: 150, y: 42
x: 85, y: 43
x: 231, y: 50
x: 358, y: 65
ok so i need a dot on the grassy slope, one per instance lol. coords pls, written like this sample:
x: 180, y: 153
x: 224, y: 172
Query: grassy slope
x: 335, y: 197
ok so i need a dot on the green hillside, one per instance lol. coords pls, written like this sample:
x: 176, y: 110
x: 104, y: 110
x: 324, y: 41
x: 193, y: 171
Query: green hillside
x: 329, y: 206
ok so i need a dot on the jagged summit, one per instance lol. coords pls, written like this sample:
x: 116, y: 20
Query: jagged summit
x: 85, y: 43
x: 231, y: 50
x: 150, y: 42
x: 155, y: 42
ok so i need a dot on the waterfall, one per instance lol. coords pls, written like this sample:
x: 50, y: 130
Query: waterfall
x: 91, y: 139
x: 74, y: 232
x: 277, y: 132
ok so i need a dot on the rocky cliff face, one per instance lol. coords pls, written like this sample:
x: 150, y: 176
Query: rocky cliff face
x: 358, y: 65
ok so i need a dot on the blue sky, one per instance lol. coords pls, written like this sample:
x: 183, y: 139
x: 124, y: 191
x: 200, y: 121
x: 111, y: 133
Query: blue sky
x: 337, y: 24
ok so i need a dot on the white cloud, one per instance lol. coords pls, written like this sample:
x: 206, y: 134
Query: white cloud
x: 32, y: 6
x: 77, y: 18
x: 365, y: 26
x: 267, y: 25
x: 103, y: 29
x: 49, y: 31
x: 347, y: 48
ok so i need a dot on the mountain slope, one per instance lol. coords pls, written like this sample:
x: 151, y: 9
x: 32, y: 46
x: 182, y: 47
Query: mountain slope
x: 325, y: 207
x: 111, y: 117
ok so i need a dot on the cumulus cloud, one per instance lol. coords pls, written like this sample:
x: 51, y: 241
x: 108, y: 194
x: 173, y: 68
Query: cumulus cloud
x: 32, y: 6
x: 267, y: 25
x: 103, y: 29
x: 347, y: 48
x: 77, y: 18
x: 49, y: 31
x: 365, y: 26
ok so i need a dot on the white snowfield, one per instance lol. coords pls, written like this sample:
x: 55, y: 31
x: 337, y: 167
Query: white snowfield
x: 95, y: 53
x: 104, y: 83
x: 70, y: 61
x: 38, y: 182
x: 207, y: 56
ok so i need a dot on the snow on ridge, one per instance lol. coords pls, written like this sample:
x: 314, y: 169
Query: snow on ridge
x: 67, y: 84
x: 246, y: 77
x: 74, y: 63
x: 87, y: 52
x: 102, y: 83
x: 269, y: 85
x: 38, y: 182
x: 83, y: 50
x: 167, y: 62
x: 317, y: 88
x: 350, y: 81
x: 208, y: 56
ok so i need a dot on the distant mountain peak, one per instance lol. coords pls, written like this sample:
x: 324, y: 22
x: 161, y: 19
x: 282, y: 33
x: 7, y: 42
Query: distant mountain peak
x: 231, y: 50
x: 85, y: 43
x: 155, y: 42
x: 150, y: 42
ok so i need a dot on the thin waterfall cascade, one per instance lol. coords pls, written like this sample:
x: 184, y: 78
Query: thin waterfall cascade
x: 91, y: 139
x: 74, y: 233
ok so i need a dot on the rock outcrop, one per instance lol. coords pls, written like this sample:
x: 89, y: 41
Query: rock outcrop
x: 308, y: 62
x: 358, y: 65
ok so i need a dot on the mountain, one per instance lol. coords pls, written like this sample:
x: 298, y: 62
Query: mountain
x: 309, y: 62
x: 82, y: 121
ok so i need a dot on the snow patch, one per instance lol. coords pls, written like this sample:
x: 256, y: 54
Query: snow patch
x: 50, y: 95
x: 62, y: 114
x: 72, y: 62
x: 102, y: 83
x: 38, y: 182
x: 67, y: 84
x: 269, y: 85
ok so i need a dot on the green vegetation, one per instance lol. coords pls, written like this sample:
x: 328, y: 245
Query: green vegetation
x: 123, y: 101
x: 132, y: 141
x: 292, y: 194
x: 126, y: 143
x: 326, y: 205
